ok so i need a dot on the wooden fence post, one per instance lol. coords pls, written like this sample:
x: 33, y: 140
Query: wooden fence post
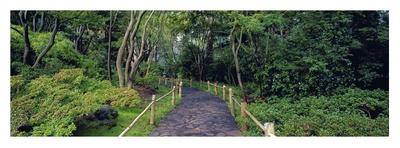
x: 180, y: 89
x: 190, y: 82
x: 215, y: 89
x: 208, y: 86
x: 269, y: 129
x: 173, y: 95
x: 243, y: 106
x: 231, y: 102
x: 152, y: 109
x: 223, y: 92
x: 159, y: 81
x: 165, y: 81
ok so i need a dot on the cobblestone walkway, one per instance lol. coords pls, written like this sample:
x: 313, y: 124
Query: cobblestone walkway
x: 198, y: 114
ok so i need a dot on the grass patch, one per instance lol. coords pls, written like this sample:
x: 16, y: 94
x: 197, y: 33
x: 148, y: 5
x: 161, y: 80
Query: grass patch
x: 126, y: 116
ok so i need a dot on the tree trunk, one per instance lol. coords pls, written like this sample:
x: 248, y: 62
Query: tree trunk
x: 110, y: 27
x: 123, y: 46
x: 78, y: 39
x: 139, y: 58
x: 150, y: 60
x: 49, y: 45
x: 34, y: 22
x: 27, y: 57
x: 109, y: 48
x: 235, y: 51
x: 129, y: 59
x: 41, y: 22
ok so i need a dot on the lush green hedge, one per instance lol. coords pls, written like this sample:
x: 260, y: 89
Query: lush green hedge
x: 352, y: 112
x: 50, y: 106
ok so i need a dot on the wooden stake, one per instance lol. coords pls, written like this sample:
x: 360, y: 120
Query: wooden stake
x: 215, y: 89
x: 173, y: 96
x: 269, y: 130
x: 208, y: 86
x: 180, y: 89
x: 152, y: 109
x: 231, y: 102
x: 190, y: 82
x: 243, y: 106
x: 223, y: 92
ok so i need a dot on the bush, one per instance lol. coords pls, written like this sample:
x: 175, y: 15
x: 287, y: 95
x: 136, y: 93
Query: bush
x: 352, y: 112
x: 52, y: 105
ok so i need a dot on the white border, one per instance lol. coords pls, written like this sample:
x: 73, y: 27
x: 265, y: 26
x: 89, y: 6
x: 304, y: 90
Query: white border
x: 394, y: 36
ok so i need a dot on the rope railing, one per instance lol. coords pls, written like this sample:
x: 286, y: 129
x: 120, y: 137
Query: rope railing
x: 236, y: 101
x: 152, y: 107
x: 135, y: 120
x: 165, y: 95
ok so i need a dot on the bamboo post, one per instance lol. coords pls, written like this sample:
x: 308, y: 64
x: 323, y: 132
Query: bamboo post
x: 152, y: 109
x: 176, y: 90
x: 269, y: 129
x: 231, y: 102
x: 180, y: 89
x: 215, y: 89
x: 208, y: 86
x: 173, y: 95
x: 176, y: 84
x: 243, y: 107
x: 159, y: 81
x: 165, y: 81
x: 223, y: 92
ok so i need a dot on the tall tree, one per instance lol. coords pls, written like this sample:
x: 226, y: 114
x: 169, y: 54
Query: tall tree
x: 121, y: 78
x: 235, y: 50
x: 138, y: 54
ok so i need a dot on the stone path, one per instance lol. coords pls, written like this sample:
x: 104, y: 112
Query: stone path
x: 198, y: 114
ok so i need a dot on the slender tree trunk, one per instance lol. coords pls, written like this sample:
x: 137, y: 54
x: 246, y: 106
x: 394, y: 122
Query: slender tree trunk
x: 49, y: 45
x: 235, y: 51
x: 123, y: 46
x: 34, y: 22
x: 85, y: 49
x: 27, y: 57
x: 109, y: 31
x: 78, y: 39
x: 41, y: 22
x: 109, y: 48
x: 150, y: 60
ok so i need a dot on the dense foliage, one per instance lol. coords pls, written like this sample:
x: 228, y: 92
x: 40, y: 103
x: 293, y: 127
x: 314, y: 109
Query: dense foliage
x: 352, y: 112
x: 52, y: 105
x: 311, y: 72
x: 291, y: 53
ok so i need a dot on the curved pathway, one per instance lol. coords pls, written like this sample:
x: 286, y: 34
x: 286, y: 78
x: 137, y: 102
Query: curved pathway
x: 198, y: 114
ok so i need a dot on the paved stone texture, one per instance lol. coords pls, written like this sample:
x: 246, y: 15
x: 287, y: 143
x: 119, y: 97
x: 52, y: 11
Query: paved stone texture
x: 198, y: 114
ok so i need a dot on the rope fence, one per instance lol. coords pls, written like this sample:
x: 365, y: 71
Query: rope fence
x: 176, y: 89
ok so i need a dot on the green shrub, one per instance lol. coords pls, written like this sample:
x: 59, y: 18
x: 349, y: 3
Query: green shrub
x: 352, y: 112
x: 51, y: 105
